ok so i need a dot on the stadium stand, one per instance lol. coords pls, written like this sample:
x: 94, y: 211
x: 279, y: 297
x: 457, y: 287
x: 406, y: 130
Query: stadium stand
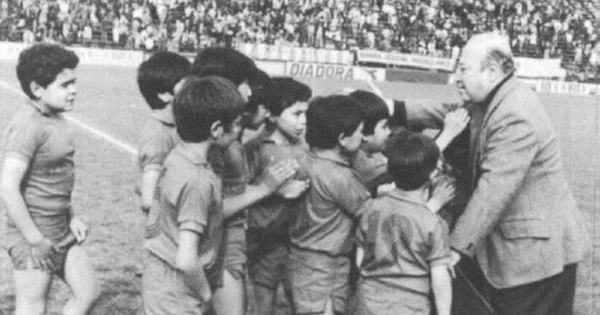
x: 566, y: 29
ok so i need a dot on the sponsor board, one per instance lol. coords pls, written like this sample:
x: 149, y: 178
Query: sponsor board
x: 561, y: 87
x: 109, y: 57
x: 405, y: 60
x: 337, y: 72
x: 416, y: 76
x: 297, y: 54
x: 539, y: 68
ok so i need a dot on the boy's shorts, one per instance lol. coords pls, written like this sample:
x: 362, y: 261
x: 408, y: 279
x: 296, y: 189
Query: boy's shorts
x: 267, y: 258
x: 315, y: 277
x: 375, y: 298
x: 164, y: 291
x: 20, y: 253
x: 235, y: 251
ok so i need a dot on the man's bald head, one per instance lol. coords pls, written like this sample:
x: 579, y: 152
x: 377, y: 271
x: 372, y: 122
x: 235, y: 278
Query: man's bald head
x: 485, y: 61
x: 491, y: 48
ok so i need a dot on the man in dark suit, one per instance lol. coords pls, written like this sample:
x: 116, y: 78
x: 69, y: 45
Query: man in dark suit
x: 521, y: 223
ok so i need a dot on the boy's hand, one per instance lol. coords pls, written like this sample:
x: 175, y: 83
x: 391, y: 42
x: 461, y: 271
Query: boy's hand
x: 450, y: 107
x: 293, y: 188
x: 455, y: 122
x: 381, y: 189
x: 195, y: 277
x: 277, y: 174
x: 454, y: 259
x: 41, y: 253
x: 443, y: 190
x: 79, y: 229
x: 205, y: 294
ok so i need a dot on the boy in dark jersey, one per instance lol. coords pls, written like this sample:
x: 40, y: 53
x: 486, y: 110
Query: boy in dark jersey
x: 184, y: 232
x: 229, y: 63
x: 322, y: 233
x: 269, y: 219
x: 157, y: 78
x: 406, y: 246
x: 43, y: 236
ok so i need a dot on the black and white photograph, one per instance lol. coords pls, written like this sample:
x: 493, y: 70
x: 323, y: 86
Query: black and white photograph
x: 299, y: 157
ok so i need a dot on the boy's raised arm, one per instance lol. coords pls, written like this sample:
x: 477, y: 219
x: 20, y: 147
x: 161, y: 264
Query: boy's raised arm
x: 14, y: 170
x: 444, y: 190
x: 273, y: 177
x: 454, y: 123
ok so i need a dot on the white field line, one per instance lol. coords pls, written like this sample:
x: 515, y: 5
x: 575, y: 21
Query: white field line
x: 102, y: 135
x: 374, y: 87
x: 118, y: 143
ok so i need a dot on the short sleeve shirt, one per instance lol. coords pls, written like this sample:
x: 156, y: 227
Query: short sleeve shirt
x: 46, y: 142
x: 159, y: 136
x: 335, y: 201
x: 274, y: 213
x: 402, y: 240
x: 190, y: 198
x: 230, y: 164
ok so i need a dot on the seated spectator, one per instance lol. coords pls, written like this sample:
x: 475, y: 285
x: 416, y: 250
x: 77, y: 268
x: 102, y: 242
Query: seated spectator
x: 537, y: 28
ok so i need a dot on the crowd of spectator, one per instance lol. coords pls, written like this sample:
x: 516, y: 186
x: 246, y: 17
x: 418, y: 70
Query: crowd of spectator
x: 537, y: 28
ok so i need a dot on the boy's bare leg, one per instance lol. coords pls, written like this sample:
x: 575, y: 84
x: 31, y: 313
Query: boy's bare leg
x: 329, y: 308
x: 265, y: 299
x: 287, y: 290
x: 31, y: 290
x: 80, y: 277
x: 231, y: 298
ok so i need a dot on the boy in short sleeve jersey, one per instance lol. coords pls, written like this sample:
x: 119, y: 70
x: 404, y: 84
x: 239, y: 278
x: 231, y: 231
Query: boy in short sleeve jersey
x: 159, y: 137
x: 44, y: 141
x: 190, y: 199
x: 184, y: 231
x: 43, y: 236
x: 269, y: 220
x: 406, y: 246
x: 322, y: 233
x: 158, y: 78
x: 229, y: 63
x: 402, y: 240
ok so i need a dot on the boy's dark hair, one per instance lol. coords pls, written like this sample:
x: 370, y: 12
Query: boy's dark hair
x: 224, y: 62
x: 287, y: 92
x: 203, y: 101
x: 262, y: 92
x: 41, y: 63
x: 374, y: 108
x: 159, y: 74
x: 329, y: 117
x: 411, y: 158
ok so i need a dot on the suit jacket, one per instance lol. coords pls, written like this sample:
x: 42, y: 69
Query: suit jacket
x: 521, y: 222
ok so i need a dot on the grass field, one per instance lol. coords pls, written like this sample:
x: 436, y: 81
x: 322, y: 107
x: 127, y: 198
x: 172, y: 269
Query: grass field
x: 109, y: 101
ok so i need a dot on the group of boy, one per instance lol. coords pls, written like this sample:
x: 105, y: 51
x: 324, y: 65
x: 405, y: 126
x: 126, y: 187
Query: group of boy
x: 330, y: 146
x: 293, y: 205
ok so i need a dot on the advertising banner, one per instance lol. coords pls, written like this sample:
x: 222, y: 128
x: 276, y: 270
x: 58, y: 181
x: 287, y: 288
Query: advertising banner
x: 298, y: 54
x: 406, y: 60
x: 337, y: 72
x: 539, y: 68
x: 561, y: 87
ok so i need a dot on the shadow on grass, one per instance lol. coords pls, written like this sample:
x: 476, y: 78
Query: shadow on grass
x: 7, y: 304
x: 119, y: 296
